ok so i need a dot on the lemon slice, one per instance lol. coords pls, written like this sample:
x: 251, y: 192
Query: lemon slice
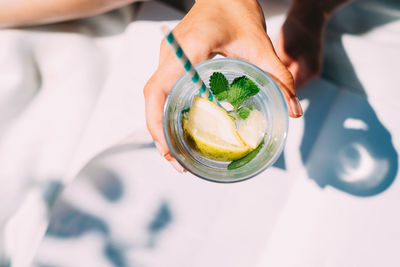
x: 252, y: 129
x: 213, y: 132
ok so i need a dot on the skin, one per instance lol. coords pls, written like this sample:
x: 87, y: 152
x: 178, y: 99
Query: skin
x: 232, y: 28
x: 300, y: 41
x: 15, y: 13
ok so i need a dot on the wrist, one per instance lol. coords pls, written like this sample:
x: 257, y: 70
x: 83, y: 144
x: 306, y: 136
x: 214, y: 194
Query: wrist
x: 245, y: 12
x: 308, y: 19
x: 317, y: 8
x: 227, y: 1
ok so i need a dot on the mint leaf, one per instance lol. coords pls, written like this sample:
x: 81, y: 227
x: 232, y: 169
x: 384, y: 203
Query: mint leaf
x: 246, y: 159
x: 218, y: 84
x: 241, y: 89
x: 244, y: 112
x: 237, y: 79
x: 222, y: 96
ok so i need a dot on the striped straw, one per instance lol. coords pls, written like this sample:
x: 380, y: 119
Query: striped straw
x: 187, y: 65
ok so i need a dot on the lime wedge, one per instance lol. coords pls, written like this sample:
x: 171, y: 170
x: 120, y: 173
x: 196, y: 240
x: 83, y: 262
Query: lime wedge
x: 213, y: 132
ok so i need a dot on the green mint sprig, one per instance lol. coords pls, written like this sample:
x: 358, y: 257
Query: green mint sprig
x: 246, y: 159
x: 185, y: 110
x: 245, y: 111
x: 241, y: 89
x: 218, y: 84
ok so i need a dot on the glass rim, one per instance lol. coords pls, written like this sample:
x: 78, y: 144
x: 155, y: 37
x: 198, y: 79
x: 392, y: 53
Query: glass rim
x: 278, y: 151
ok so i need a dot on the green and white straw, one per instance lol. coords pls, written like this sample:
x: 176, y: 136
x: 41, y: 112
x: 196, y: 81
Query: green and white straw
x: 187, y: 65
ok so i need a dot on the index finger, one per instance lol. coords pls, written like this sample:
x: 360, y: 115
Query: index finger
x: 156, y: 91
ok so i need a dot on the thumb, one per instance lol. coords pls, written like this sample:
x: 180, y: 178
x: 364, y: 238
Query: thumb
x: 266, y: 59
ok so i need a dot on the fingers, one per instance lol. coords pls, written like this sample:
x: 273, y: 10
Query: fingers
x: 266, y: 58
x: 292, y: 101
x: 156, y: 91
x: 302, y: 68
x: 300, y: 78
x: 300, y: 50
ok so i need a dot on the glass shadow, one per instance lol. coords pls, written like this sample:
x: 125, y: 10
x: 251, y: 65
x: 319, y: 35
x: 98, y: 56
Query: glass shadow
x: 345, y: 145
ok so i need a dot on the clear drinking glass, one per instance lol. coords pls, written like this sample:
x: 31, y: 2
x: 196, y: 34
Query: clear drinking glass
x: 269, y: 101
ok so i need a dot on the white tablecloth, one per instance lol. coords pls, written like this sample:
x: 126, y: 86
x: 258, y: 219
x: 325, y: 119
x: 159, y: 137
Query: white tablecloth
x: 73, y: 90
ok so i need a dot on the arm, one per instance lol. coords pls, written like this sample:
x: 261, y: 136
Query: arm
x: 15, y: 13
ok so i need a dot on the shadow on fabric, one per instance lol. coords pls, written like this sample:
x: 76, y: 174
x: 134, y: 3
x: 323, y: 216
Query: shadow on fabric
x: 348, y: 148
x: 70, y: 222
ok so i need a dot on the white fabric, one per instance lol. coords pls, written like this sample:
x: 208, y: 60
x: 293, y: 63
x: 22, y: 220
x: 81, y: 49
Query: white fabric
x: 71, y: 91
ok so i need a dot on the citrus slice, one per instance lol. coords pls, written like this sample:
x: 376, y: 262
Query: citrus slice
x: 252, y: 129
x: 213, y: 132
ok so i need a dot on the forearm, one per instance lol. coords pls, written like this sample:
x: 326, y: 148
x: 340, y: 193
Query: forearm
x: 29, y: 12
x: 312, y: 15
x: 324, y: 8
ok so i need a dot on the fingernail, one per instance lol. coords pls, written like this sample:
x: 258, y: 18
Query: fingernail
x: 295, y: 106
x: 160, y: 150
x: 177, y: 166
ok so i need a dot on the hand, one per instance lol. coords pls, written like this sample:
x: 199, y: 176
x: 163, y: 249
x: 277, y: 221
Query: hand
x: 232, y: 28
x: 300, y: 41
x: 300, y: 49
